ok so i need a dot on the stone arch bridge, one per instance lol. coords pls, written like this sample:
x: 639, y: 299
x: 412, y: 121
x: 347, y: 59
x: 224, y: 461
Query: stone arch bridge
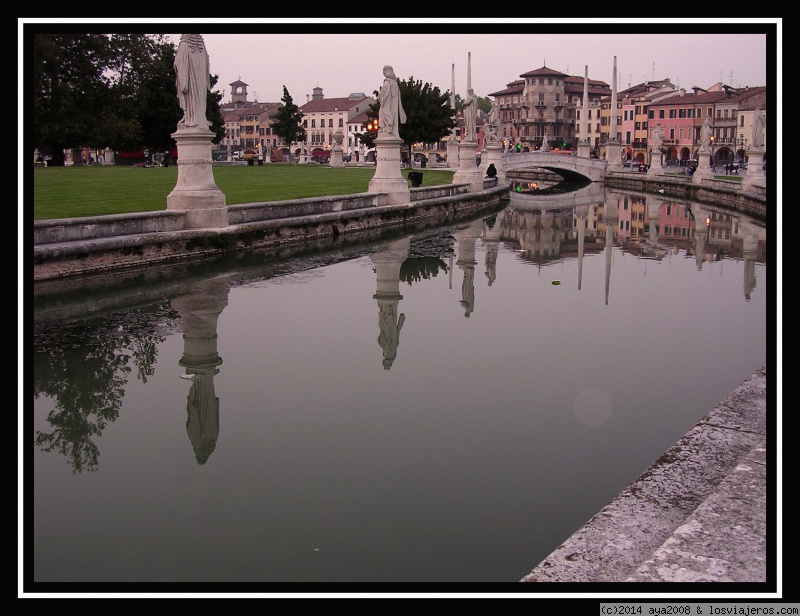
x: 568, y: 166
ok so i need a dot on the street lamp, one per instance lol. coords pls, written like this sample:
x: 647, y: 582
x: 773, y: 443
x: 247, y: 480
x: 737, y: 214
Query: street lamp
x: 708, y: 227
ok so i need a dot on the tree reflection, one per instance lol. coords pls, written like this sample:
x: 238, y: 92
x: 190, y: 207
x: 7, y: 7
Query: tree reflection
x: 84, y: 368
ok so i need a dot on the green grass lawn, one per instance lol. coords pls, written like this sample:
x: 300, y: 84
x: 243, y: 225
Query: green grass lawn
x: 96, y: 190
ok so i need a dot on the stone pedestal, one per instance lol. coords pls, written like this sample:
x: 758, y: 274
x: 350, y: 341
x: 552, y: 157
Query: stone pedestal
x: 468, y: 172
x: 493, y: 153
x: 656, y: 162
x: 613, y: 157
x: 195, y: 192
x: 337, y: 157
x: 388, y: 178
x: 585, y: 149
x: 452, y: 152
x: 755, y: 175
x: 703, y: 170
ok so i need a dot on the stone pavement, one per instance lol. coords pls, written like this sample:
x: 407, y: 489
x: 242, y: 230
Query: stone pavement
x: 699, y: 514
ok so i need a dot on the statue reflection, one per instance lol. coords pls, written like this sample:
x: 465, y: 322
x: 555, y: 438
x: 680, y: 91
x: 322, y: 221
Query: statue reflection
x: 581, y: 212
x: 750, y: 254
x: 702, y: 220
x: 200, y: 308
x: 652, y: 247
x: 387, y: 273
x: 611, y: 220
x: 491, y: 239
x: 465, y: 247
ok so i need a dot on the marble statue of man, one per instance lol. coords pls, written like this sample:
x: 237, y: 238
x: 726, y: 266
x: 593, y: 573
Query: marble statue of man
x: 193, y: 80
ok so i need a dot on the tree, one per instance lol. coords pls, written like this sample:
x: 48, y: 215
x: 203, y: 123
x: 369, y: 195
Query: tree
x: 70, y: 90
x: 288, y: 125
x: 115, y: 91
x: 429, y: 117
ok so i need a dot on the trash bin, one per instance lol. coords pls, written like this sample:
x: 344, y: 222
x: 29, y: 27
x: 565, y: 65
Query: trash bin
x: 416, y: 178
x: 260, y: 162
x: 424, y: 163
x: 250, y: 162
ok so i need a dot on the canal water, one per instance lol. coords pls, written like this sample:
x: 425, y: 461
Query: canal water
x: 441, y: 407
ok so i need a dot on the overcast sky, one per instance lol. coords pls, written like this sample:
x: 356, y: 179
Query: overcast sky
x: 341, y: 58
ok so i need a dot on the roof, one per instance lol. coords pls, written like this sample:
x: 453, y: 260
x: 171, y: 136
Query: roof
x: 681, y: 98
x: 544, y: 71
x: 322, y: 105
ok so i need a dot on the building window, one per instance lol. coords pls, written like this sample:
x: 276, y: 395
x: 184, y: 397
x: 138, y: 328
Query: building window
x: 313, y: 123
x: 672, y: 113
x: 681, y: 113
x: 691, y: 112
x: 330, y: 122
x: 341, y: 122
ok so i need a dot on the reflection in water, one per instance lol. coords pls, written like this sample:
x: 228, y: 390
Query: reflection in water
x: 200, y: 309
x: 465, y: 248
x: 387, y: 273
x: 83, y: 368
x: 422, y: 443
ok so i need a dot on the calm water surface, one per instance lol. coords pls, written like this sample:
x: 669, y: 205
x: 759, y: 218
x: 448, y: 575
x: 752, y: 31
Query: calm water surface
x: 446, y: 406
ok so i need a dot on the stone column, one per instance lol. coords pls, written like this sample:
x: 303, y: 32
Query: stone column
x: 703, y: 171
x: 468, y: 172
x: 583, y: 143
x: 337, y: 153
x: 755, y: 175
x: 388, y: 178
x: 493, y: 153
x: 613, y: 157
x: 195, y: 191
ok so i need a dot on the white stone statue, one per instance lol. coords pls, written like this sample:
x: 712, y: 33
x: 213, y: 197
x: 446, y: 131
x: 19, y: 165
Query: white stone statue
x: 391, y: 113
x: 757, y: 138
x: 705, y: 135
x: 491, y: 129
x: 658, y: 137
x: 470, y: 116
x: 193, y: 80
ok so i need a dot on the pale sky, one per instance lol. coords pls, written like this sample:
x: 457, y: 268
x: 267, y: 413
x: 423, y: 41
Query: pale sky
x: 342, y: 57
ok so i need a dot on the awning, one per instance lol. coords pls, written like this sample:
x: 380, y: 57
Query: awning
x: 320, y: 152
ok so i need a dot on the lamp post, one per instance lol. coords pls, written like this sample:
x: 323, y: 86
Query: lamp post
x: 708, y: 228
x: 713, y: 164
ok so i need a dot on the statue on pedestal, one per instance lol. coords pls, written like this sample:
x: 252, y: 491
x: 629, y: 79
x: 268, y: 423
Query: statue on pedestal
x: 193, y: 80
x: 757, y: 138
x: 391, y: 113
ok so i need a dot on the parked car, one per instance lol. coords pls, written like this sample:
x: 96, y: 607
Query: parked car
x: 627, y: 164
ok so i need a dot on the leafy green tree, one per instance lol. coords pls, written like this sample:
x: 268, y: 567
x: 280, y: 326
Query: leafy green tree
x: 429, y: 117
x: 70, y: 90
x: 484, y: 103
x: 115, y: 91
x: 288, y: 125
